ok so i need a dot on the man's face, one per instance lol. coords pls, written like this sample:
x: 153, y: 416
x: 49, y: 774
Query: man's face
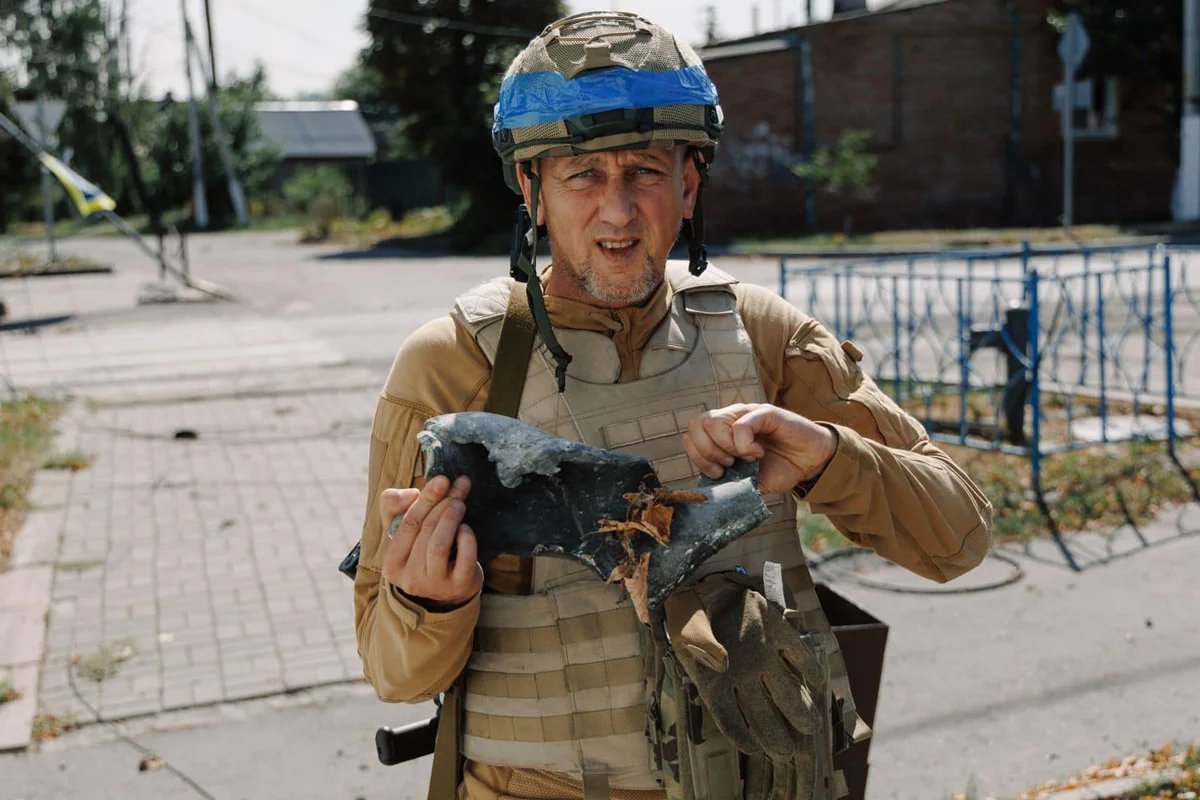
x: 613, y: 218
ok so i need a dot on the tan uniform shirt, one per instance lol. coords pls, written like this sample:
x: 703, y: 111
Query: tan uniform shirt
x: 887, y: 487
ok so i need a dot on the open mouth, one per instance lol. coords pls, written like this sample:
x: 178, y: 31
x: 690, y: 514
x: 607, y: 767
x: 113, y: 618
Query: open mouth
x: 617, y: 246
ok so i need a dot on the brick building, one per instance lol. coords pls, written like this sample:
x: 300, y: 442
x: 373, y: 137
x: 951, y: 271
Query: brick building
x: 957, y: 97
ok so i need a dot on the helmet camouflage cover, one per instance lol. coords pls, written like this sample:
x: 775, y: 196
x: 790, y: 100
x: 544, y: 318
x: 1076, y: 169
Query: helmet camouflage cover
x: 603, y: 81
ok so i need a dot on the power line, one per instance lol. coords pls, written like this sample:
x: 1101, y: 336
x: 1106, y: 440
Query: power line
x: 434, y: 23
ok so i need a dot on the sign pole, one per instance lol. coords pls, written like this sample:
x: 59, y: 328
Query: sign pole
x: 1068, y: 132
x: 1187, y: 206
x: 1072, y: 49
x: 47, y: 185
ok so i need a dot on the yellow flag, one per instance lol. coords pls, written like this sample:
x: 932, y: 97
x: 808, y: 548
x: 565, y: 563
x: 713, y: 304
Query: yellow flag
x: 87, y: 196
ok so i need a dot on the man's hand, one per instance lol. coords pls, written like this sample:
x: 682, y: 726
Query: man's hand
x: 418, y: 559
x: 789, y: 447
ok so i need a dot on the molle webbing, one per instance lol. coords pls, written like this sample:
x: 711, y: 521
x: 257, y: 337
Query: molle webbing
x: 699, y: 358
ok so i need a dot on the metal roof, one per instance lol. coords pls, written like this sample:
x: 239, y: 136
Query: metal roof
x: 316, y: 129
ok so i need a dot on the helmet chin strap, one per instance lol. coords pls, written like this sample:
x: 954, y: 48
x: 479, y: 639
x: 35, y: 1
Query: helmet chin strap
x: 525, y: 262
x: 693, y: 228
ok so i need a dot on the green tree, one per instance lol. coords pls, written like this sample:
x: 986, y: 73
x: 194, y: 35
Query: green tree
x: 385, y: 118
x: 167, y: 155
x: 60, y: 49
x: 63, y: 46
x: 845, y: 169
x: 323, y: 193
x: 441, y: 61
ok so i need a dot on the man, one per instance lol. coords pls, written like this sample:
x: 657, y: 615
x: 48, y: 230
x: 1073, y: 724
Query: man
x: 606, y: 124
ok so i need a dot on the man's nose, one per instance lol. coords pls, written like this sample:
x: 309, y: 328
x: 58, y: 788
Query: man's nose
x: 617, y: 206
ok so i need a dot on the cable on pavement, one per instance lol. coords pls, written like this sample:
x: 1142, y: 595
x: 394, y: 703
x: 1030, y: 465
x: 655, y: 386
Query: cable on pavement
x: 1016, y: 574
x: 115, y: 728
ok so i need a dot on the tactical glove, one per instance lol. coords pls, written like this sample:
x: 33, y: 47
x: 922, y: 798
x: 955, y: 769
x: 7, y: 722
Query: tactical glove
x: 764, y: 682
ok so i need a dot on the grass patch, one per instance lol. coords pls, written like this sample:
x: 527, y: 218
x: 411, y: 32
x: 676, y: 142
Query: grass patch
x: 379, y: 226
x: 26, y: 430
x: 817, y: 533
x: 21, y: 264
x: 50, y: 726
x: 931, y: 239
x: 73, y: 460
x: 103, y: 664
x: 1090, y: 489
x: 78, y: 566
x: 8, y: 692
x: 1096, y: 488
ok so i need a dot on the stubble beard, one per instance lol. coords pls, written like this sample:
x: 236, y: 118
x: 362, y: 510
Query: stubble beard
x: 588, y: 281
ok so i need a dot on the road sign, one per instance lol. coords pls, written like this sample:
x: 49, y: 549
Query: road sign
x: 1073, y: 46
x: 32, y: 117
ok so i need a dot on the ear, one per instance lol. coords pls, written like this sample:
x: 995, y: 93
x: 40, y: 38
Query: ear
x: 691, y: 182
x: 526, y: 185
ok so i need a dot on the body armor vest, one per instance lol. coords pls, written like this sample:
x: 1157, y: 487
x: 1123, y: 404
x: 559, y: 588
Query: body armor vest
x: 557, y: 679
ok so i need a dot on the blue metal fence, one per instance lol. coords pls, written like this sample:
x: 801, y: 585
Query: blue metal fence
x: 1028, y: 351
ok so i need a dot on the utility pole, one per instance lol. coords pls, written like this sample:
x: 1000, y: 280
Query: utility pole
x: 199, y: 201
x: 212, y: 53
x: 126, y: 69
x: 1188, y: 198
x: 237, y: 197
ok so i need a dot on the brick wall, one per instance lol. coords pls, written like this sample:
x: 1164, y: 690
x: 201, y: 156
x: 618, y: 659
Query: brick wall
x: 934, y: 86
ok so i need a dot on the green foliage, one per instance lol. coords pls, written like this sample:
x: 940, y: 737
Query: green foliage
x: 322, y: 192
x: 66, y: 49
x: 844, y: 170
x: 61, y: 49
x: 446, y: 80
x: 166, y: 154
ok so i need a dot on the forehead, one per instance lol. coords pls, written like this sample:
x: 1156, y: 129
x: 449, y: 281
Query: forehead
x: 660, y: 156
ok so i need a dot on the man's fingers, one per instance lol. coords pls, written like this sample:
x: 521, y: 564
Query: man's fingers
x: 701, y: 463
x: 748, y: 430
x: 442, y: 526
x: 394, y: 502
x: 698, y: 443
x: 465, y: 575
x: 430, y: 496
x: 460, y: 488
x: 710, y: 443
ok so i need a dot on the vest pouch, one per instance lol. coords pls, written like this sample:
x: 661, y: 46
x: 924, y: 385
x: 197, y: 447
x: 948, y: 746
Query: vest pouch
x: 697, y: 762
x: 714, y: 765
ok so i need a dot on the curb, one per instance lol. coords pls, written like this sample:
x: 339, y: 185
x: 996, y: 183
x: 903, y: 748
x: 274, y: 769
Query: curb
x: 88, y: 269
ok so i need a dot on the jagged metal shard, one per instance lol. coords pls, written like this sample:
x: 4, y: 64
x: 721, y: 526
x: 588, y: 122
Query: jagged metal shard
x: 534, y: 494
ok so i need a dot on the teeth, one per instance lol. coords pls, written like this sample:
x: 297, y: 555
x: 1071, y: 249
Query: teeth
x: 616, y: 245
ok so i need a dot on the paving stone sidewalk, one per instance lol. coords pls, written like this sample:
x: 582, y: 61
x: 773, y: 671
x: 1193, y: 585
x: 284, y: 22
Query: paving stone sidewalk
x: 212, y: 561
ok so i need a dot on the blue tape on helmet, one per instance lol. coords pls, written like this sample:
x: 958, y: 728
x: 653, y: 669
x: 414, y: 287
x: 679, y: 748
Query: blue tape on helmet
x: 536, y: 98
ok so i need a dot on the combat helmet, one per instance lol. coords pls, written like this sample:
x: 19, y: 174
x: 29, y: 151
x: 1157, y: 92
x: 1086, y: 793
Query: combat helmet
x: 601, y: 81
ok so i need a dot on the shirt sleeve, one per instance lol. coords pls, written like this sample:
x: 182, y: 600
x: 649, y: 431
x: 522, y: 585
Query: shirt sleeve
x: 409, y: 653
x: 887, y: 487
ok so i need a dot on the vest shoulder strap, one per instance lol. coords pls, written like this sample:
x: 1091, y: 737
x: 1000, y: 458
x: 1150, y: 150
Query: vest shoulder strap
x: 512, y: 355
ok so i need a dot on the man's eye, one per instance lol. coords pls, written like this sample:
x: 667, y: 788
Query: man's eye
x: 587, y: 173
x: 647, y: 171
